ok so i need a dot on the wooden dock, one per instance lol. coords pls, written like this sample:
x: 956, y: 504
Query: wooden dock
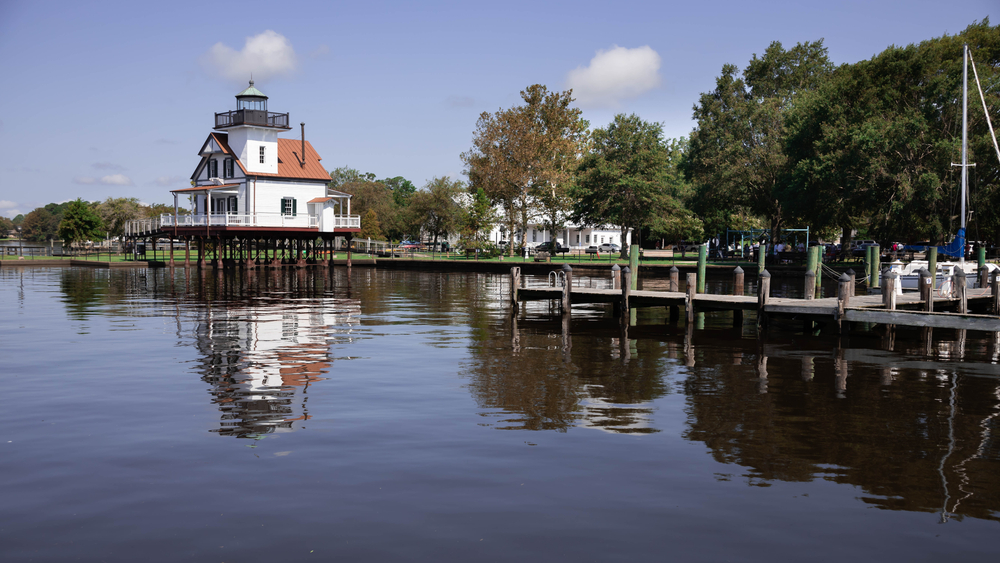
x: 908, y: 309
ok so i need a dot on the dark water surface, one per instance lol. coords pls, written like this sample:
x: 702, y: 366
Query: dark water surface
x: 296, y: 416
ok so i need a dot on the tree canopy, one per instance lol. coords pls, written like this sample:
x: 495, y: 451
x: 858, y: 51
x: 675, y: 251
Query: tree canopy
x: 79, y: 223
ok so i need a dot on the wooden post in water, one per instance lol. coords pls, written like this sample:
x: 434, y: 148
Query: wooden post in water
x: 819, y: 269
x: 981, y: 258
x: 515, y: 283
x: 567, y: 300
x: 633, y: 264
x: 854, y: 278
x: 737, y: 290
x: 995, y: 293
x: 876, y: 266
x: 889, y: 291
x: 761, y: 256
x: 927, y: 289
x: 626, y: 290
x: 675, y: 284
x: 810, y: 284
x: 763, y: 292
x: 692, y: 286
x: 811, y: 266
x: 868, y: 266
x: 932, y: 266
x: 984, y: 276
x: 616, y: 277
x: 702, y: 263
x: 845, y: 287
x: 958, y: 281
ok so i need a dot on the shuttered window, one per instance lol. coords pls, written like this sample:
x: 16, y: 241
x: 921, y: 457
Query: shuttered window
x: 288, y: 206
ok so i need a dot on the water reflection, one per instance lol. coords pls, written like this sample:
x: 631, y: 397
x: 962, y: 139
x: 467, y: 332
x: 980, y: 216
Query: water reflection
x: 264, y: 340
x: 907, y: 416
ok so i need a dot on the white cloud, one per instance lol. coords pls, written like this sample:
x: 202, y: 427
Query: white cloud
x: 266, y: 55
x: 116, y: 180
x: 614, y: 75
x: 85, y: 180
x: 5, y: 204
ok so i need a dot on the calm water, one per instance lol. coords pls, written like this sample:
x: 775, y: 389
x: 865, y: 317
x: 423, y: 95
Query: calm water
x: 297, y: 416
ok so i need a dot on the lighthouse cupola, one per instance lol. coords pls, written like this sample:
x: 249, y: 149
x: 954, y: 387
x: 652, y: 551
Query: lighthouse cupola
x: 253, y: 130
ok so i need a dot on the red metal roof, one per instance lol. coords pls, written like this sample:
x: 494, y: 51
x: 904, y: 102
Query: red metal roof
x: 320, y: 199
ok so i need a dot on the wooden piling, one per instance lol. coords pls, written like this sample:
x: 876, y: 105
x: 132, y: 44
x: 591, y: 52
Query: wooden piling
x: 984, y: 276
x: 845, y: 288
x: 927, y: 289
x: 702, y: 264
x: 889, y: 291
x: 692, y: 286
x: 738, y: 290
x: 567, y: 301
x: 761, y: 256
x: 995, y: 293
x: 932, y: 266
x: 633, y: 264
x: 616, y: 277
x: 626, y: 291
x: 876, y: 266
x: 763, y: 292
x: 854, y: 279
x: 675, y: 284
x: 959, y: 279
x: 810, y: 284
x: 515, y: 283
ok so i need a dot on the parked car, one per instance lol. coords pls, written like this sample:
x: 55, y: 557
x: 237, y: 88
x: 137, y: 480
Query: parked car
x: 411, y: 245
x: 609, y: 247
x: 552, y: 248
x: 591, y: 250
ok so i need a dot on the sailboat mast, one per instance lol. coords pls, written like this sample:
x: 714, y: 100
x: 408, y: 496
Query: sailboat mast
x: 965, y: 130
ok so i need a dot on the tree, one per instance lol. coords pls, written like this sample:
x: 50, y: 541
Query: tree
x: 6, y: 226
x: 622, y: 181
x: 79, y: 223
x: 737, y: 156
x: 478, y: 219
x: 370, y: 227
x: 401, y: 188
x: 526, y: 155
x: 116, y: 212
x: 437, y: 208
x: 374, y: 196
x: 346, y: 175
x: 38, y: 226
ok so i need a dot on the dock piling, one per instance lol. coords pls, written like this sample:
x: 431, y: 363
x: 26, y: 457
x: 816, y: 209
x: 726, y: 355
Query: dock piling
x: 626, y: 291
x: 567, y: 289
x: 737, y: 290
x: 763, y: 292
x: 995, y: 292
x: 889, y: 291
x: 959, y: 279
x: 702, y: 263
x: 876, y: 266
x: 515, y: 283
x: 810, y: 284
x: 927, y: 289
x: 845, y: 288
x: 692, y: 285
x: 616, y: 277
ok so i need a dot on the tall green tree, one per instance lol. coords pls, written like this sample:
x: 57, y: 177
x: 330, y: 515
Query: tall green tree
x: 370, y: 226
x: 402, y: 190
x: 524, y: 157
x: 39, y: 225
x: 623, y: 179
x: 79, y: 223
x: 737, y: 156
x: 478, y: 219
x: 117, y: 211
x: 437, y: 208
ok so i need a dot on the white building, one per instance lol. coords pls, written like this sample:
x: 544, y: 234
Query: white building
x: 249, y: 179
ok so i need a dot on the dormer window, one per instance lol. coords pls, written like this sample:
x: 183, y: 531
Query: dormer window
x: 213, y: 168
x: 228, y: 170
x: 262, y: 155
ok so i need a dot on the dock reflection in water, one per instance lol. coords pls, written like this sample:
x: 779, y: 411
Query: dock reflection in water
x: 409, y: 415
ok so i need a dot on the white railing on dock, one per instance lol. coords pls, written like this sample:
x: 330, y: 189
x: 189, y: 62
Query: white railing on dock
x: 266, y: 220
x: 139, y: 227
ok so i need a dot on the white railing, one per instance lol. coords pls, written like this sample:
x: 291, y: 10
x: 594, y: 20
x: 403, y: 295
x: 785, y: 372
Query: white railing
x: 301, y: 220
x: 347, y: 222
x: 138, y: 227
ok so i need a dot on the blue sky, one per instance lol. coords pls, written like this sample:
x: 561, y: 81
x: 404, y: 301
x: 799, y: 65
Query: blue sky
x: 110, y: 99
